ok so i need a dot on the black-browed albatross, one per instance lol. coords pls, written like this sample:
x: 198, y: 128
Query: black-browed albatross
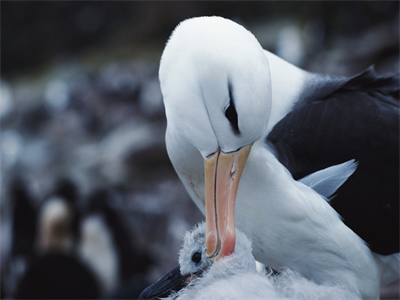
x: 236, y: 112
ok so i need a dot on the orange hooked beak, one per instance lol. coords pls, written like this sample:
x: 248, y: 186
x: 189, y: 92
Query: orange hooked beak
x: 222, y: 176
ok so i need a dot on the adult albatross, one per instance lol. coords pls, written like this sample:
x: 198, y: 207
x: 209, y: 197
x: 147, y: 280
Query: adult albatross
x: 237, y: 113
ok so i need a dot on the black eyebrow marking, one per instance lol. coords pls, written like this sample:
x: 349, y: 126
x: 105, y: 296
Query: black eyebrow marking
x: 230, y: 112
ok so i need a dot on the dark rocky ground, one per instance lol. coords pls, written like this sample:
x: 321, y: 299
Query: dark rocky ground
x: 80, y: 100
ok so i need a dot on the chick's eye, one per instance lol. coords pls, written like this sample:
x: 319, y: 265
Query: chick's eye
x: 196, y: 257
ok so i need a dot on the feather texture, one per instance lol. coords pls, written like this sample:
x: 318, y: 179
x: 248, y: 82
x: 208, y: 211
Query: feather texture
x: 236, y: 277
x: 326, y: 182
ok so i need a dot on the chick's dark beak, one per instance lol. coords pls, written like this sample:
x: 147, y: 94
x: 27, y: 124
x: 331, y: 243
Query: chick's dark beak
x: 173, y: 281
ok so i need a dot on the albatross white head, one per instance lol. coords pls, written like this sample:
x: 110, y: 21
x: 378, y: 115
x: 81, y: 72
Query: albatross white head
x: 217, y: 93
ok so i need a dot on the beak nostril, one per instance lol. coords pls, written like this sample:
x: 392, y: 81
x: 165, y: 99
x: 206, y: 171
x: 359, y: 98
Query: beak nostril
x: 233, y: 170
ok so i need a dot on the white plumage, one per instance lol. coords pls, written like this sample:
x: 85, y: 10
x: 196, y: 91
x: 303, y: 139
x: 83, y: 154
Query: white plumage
x: 98, y: 251
x: 236, y: 276
x: 211, y: 69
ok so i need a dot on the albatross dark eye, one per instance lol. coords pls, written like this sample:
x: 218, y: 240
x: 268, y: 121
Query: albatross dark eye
x: 196, y: 258
x: 231, y: 114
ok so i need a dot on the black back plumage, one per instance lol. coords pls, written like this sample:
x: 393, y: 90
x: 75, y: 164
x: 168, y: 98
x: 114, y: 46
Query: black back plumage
x: 24, y: 220
x: 359, y: 120
x: 57, y: 276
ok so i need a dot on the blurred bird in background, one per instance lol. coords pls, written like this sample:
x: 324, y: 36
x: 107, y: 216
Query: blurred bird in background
x: 55, y: 272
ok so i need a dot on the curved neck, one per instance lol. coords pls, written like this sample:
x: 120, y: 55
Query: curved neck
x: 288, y: 82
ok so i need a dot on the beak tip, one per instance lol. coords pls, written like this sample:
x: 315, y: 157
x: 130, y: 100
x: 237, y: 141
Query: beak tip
x: 211, y: 243
x: 228, y: 245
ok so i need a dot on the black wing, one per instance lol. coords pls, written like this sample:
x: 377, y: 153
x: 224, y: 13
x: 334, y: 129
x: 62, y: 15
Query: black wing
x: 359, y: 120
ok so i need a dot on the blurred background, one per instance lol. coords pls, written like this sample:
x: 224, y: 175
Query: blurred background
x: 90, y: 204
